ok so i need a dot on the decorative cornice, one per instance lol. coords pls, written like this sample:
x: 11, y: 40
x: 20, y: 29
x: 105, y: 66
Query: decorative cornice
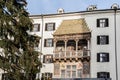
x: 72, y: 37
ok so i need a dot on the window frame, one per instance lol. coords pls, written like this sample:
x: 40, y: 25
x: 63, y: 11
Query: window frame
x: 47, y: 25
x: 101, y: 21
x: 100, y: 39
x: 103, y: 57
x: 71, y: 70
x: 104, y: 74
x: 63, y: 74
x: 47, y: 59
x: 47, y: 75
x: 79, y: 73
x: 37, y: 28
x: 48, y: 44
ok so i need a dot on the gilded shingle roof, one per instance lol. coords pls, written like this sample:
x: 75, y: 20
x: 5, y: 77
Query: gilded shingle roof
x: 73, y: 26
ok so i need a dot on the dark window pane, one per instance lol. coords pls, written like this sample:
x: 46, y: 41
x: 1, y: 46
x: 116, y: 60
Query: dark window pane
x: 98, y: 39
x: 45, y: 43
x: 98, y: 57
x: 107, y: 57
x: 106, y: 22
x: 98, y: 23
x: 107, y: 39
x: 43, y: 58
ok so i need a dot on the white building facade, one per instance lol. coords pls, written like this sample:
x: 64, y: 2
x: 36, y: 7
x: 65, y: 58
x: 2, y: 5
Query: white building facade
x: 81, y: 44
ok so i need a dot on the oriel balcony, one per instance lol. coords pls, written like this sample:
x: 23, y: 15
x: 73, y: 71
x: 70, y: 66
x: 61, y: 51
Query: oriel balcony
x: 71, y: 49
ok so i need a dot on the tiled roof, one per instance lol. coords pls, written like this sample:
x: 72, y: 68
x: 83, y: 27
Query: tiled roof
x: 74, y: 26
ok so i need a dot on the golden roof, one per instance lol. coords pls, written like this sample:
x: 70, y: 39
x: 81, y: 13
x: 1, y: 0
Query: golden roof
x: 74, y: 26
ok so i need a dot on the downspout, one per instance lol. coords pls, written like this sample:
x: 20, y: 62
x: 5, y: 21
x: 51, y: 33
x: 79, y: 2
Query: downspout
x: 41, y: 42
x: 42, y: 32
x: 115, y: 10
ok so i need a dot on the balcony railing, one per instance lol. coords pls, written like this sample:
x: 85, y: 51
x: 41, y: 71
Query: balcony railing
x: 71, y: 54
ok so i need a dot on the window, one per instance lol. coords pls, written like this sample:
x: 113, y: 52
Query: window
x: 103, y: 22
x: 49, y: 26
x: 102, y: 57
x: 48, y: 43
x: 68, y: 71
x: 71, y: 71
x: 103, y: 39
x: 103, y: 75
x: 36, y: 27
x: 47, y: 58
x: 62, y: 73
x: 79, y: 72
x: 46, y: 76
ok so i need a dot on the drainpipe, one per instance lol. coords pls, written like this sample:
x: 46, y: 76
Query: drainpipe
x: 42, y: 32
x: 39, y: 75
x: 115, y: 10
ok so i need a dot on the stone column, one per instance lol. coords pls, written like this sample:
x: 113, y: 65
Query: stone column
x: 54, y: 45
x: 54, y: 51
x: 88, y: 44
x: 76, y: 45
x: 55, y: 41
x: 65, y: 46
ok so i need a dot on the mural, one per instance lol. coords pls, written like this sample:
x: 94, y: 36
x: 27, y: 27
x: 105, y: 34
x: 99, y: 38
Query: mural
x: 56, y: 69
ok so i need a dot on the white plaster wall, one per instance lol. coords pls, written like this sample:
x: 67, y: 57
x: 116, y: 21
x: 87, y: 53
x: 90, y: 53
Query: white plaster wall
x: 91, y: 21
x: 39, y: 33
x: 102, y: 66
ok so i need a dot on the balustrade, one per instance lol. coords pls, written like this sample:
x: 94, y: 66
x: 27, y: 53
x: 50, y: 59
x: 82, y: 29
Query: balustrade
x: 71, y: 54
